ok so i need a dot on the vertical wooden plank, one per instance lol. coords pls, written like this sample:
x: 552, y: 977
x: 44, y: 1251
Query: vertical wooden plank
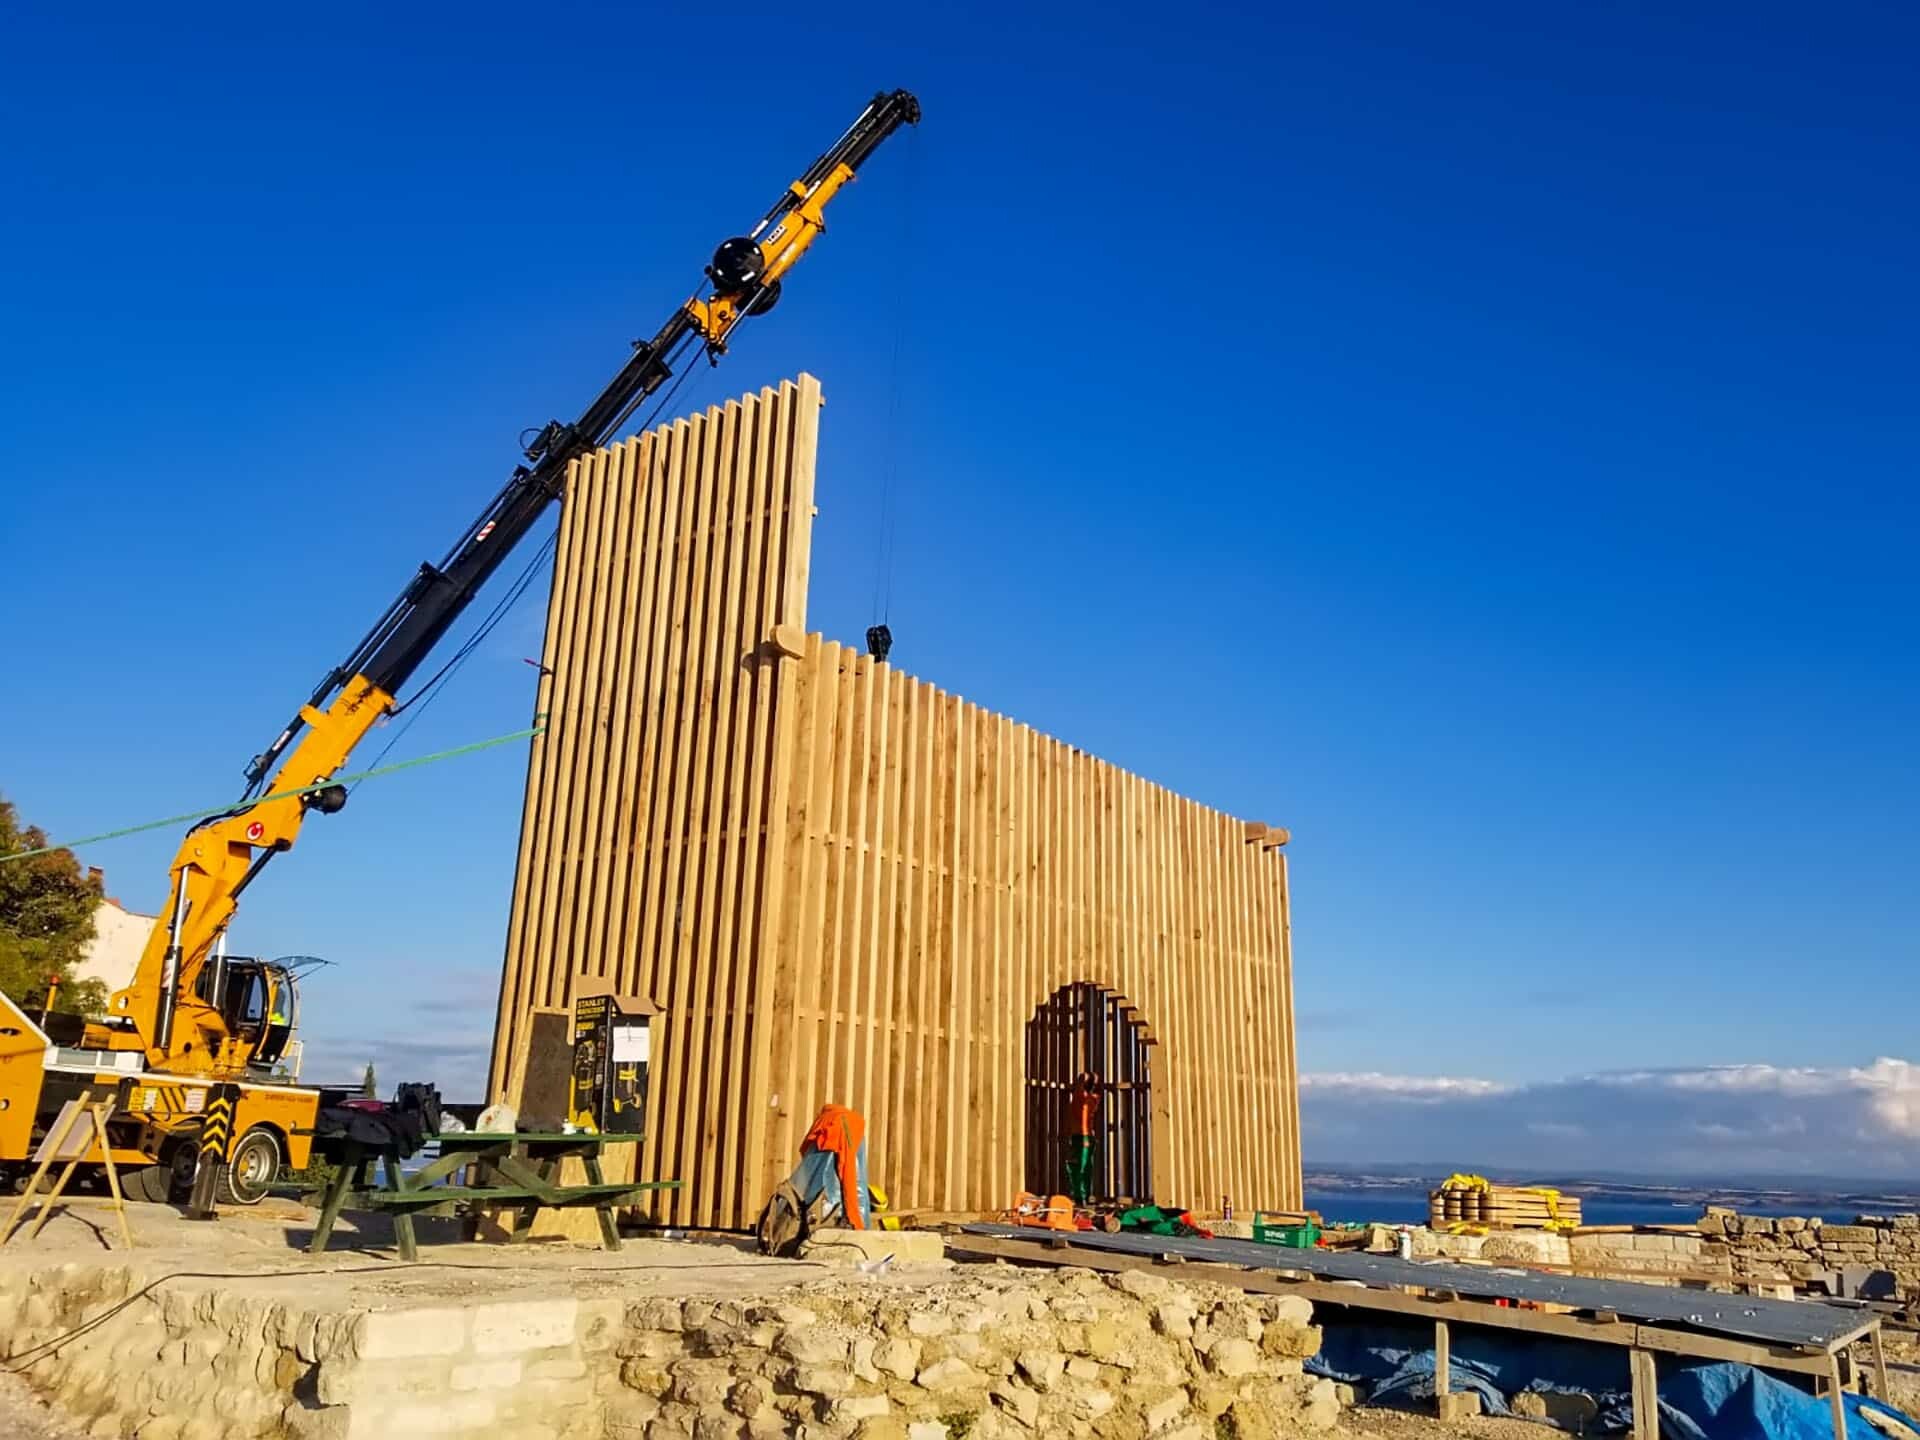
x: 580, y: 864
x: 759, y: 818
x: 562, y: 735
x: 922, y: 1094
x: 856, y: 928
x: 686, y: 796
x: 1290, y: 1065
x: 954, y: 977
x: 642, y: 545
x: 536, y: 821
x: 881, y: 1054
x: 720, y: 654
x: 1642, y: 1378
x: 1442, y: 1359
x: 610, y: 720
x: 1836, y: 1397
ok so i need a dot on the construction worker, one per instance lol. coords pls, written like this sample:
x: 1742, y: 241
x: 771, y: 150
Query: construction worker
x: 1083, y: 1114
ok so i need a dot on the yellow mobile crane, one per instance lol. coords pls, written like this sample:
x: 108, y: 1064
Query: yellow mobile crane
x: 196, y: 1022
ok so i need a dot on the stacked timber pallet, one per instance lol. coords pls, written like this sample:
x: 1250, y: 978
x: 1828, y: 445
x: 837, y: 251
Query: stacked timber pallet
x: 1464, y: 1200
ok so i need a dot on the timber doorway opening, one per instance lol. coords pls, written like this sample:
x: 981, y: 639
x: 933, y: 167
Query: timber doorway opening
x: 1087, y: 1027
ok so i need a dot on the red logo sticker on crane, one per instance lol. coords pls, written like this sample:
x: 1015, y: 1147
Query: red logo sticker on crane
x: 255, y: 831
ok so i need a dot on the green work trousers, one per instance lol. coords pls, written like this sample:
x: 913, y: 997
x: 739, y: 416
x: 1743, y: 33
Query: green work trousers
x: 1080, y: 1168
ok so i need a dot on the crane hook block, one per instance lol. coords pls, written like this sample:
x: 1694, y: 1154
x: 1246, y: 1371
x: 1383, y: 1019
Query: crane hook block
x: 879, y: 642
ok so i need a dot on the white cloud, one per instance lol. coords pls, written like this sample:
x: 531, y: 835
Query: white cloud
x: 1702, y: 1121
x: 1400, y: 1087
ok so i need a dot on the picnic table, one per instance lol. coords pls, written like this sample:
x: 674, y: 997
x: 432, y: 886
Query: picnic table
x: 518, y: 1172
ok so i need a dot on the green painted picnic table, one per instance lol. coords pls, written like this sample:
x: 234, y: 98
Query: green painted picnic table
x: 519, y: 1172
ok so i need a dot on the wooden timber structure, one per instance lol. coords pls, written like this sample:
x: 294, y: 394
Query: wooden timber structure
x: 840, y: 883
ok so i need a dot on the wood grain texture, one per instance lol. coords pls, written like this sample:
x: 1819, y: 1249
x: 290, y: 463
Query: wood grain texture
x: 840, y: 883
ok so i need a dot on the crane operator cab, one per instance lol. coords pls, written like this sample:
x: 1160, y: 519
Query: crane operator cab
x: 260, y: 1001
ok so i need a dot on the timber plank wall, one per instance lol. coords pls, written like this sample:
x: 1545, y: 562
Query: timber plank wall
x: 840, y: 883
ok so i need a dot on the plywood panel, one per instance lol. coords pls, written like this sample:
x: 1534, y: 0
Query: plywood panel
x: 841, y: 883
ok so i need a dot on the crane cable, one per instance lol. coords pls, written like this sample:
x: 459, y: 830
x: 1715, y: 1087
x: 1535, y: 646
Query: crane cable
x: 422, y: 698
x: 879, y: 636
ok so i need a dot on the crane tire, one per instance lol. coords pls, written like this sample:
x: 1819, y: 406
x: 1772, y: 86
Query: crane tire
x: 151, y: 1183
x: 251, y: 1168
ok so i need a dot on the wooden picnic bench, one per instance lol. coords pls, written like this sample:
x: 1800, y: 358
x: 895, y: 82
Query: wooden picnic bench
x: 518, y: 1172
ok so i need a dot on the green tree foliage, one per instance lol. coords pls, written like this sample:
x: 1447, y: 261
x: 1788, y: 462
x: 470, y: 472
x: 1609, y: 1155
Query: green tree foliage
x: 47, y: 905
x: 369, y: 1084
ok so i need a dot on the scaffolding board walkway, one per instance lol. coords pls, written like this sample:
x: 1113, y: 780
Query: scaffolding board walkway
x: 1798, y: 1337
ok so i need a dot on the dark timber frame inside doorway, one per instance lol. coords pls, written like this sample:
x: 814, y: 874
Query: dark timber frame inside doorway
x: 1083, y: 1026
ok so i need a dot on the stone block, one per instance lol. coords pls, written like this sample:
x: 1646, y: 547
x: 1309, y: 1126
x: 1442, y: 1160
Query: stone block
x: 508, y: 1326
x: 949, y: 1375
x: 448, y: 1415
x: 486, y: 1374
x: 1164, y: 1412
x: 1574, y: 1412
x: 1846, y: 1235
x: 1081, y: 1368
x: 1143, y: 1285
x: 1285, y: 1340
x: 404, y: 1334
x: 927, y: 1430
x: 1174, y: 1319
x: 1042, y: 1368
x: 898, y: 1357
x: 860, y: 1407
x: 828, y: 1381
x: 857, y: 1247
x: 1234, y: 1358
x: 1453, y: 1408
x: 813, y: 1345
x: 1018, y: 1399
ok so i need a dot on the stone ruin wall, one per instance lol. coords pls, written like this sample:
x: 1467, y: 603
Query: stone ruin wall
x: 1792, y: 1249
x: 993, y: 1354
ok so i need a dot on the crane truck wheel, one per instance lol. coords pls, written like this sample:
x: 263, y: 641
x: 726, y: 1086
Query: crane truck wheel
x: 171, y: 1179
x: 251, y: 1169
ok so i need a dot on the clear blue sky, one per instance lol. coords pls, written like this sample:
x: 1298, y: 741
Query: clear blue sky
x: 1481, y: 438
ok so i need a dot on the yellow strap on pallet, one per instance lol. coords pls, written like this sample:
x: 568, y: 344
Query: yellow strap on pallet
x: 1463, y: 1181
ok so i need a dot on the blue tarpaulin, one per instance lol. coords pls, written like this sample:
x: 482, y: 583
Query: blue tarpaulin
x: 1395, y: 1365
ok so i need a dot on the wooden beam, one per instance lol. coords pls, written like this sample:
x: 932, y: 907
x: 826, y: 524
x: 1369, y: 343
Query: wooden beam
x: 1442, y: 1358
x: 1646, y: 1394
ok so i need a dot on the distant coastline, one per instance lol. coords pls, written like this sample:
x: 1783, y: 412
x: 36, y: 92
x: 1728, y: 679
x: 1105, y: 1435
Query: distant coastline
x: 1398, y: 1195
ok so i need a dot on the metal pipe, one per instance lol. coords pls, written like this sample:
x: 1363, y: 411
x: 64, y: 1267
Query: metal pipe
x: 170, y: 968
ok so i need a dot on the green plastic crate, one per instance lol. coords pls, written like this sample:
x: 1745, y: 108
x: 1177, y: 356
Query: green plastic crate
x: 1294, y: 1237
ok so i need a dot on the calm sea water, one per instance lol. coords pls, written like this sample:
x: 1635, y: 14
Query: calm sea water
x: 1409, y: 1207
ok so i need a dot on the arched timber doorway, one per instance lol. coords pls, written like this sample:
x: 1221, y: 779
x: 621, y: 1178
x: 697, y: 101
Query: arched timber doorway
x: 1085, y: 1027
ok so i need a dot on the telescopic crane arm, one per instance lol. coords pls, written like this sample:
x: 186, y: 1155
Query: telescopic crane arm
x: 220, y: 857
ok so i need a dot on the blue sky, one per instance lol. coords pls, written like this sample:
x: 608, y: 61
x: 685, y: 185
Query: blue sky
x: 1479, y: 439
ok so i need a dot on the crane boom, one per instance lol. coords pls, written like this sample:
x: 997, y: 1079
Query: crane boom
x: 220, y: 857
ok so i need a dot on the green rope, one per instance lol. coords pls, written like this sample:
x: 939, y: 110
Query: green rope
x: 538, y: 728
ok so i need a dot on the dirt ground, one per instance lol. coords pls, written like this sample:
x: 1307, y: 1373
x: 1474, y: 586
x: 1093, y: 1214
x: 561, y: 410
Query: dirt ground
x: 1405, y: 1425
x: 24, y: 1416
x: 264, y: 1250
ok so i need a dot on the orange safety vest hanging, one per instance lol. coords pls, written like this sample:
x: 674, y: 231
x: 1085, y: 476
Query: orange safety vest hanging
x: 840, y: 1131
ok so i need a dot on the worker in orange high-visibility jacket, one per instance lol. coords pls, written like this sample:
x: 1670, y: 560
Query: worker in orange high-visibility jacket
x: 1083, y: 1118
